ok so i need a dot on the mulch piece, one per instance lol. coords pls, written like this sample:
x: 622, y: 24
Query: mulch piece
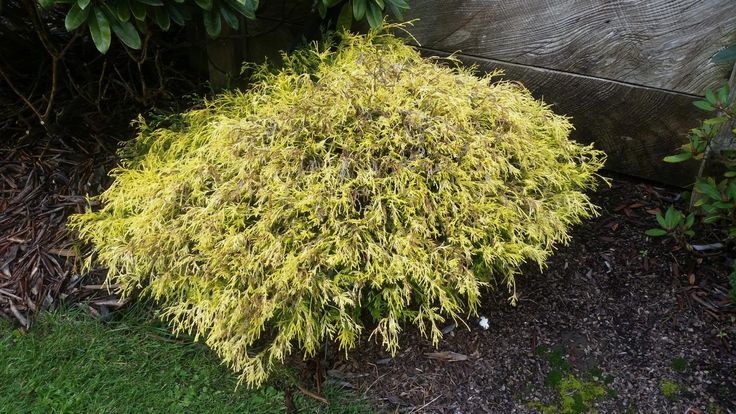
x: 42, y: 182
x: 612, y: 300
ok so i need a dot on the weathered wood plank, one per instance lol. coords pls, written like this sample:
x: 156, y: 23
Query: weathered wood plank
x: 664, y: 44
x: 636, y: 126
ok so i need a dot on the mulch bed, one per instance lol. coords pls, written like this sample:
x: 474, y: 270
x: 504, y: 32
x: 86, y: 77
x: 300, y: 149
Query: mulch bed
x: 613, y: 301
x: 42, y: 182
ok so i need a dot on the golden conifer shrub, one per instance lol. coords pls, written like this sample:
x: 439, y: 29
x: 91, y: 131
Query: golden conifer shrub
x: 359, y: 184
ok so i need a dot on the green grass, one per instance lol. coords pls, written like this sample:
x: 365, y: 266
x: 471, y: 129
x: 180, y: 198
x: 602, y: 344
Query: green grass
x: 70, y: 363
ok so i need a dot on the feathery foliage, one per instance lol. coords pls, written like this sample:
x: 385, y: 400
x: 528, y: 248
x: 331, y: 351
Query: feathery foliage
x: 358, y: 181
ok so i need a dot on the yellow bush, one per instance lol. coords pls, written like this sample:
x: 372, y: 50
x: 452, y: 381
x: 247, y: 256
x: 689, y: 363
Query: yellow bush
x: 360, y: 181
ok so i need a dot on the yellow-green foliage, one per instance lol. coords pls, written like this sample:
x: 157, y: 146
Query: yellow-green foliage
x: 358, y: 181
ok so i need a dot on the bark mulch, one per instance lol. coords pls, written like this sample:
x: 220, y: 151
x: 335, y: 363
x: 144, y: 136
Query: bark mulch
x: 42, y: 182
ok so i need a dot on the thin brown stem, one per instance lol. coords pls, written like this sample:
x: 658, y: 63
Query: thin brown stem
x: 22, y: 97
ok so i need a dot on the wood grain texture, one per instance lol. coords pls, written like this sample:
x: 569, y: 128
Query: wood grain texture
x: 664, y: 44
x: 636, y: 126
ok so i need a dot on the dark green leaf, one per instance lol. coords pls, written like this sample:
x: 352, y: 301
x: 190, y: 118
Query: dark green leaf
x: 162, y: 18
x: 704, y: 105
x: 205, y: 5
x: 345, y: 18
x: 248, y: 9
x: 710, y: 96
x: 708, y: 189
x: 123, y: 10
x: 683, y: 156
x: 83, y: 3
x: 175, y: 14
x: 127, y: 34
x: 138, y: 10
x: 397, y: 8
x: 671, y: 218
x: 75, y: 17
x: 46, y: 4
x: 402, y: 4
x: 359, y: 9
x: 99, y: 28
x: 212, y: 23
x: 660, y: 220
x: 723, y: 92
x: 140, y: 25
x: 380, y: 4
x: 230, y: 18
x: 690, y: 220
x: 374, y: 15
x: 655, y: 232
x: 711, y: 219
x: 154, y: 3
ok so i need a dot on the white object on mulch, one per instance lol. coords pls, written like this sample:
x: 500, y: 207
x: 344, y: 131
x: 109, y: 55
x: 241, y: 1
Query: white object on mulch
x: 484, y: 323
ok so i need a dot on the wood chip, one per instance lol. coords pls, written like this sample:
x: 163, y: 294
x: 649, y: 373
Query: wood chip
x: 446, y: 356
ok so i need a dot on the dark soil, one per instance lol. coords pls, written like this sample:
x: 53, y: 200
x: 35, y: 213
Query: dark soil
x: 630, y: 313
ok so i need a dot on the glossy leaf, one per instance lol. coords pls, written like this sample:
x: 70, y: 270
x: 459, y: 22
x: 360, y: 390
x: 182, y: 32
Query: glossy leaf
x: 175, y: 14
x: 212, y: 23
x: 122, y: 9
x: 99, y: 29
x: 127, y: 34
x: 359, y: 7
x: 230, y: 19
x: 247, y: 9
x: 345, y: 18
x: 162, y: 18
x: 656, y: 232
x: 708, y: 189
x: 683, y: 156
x: 710, y: 96
x: 46, y: 4
x: 397, y: 8
x: 723, y: 92
x: 704, y: 105
x: 374, y: 15
x: 138, y: 10
x: 204, y: 4
x: 75, y: 17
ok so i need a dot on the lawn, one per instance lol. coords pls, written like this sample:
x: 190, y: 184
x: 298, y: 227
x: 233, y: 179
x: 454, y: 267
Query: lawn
x: 71, y: 363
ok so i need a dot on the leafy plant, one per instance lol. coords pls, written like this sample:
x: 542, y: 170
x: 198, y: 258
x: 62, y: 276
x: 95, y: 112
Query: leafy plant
x: 713, y: 200
x: 130, y: 20
x: 359, y: 181
x: 674, y: 223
